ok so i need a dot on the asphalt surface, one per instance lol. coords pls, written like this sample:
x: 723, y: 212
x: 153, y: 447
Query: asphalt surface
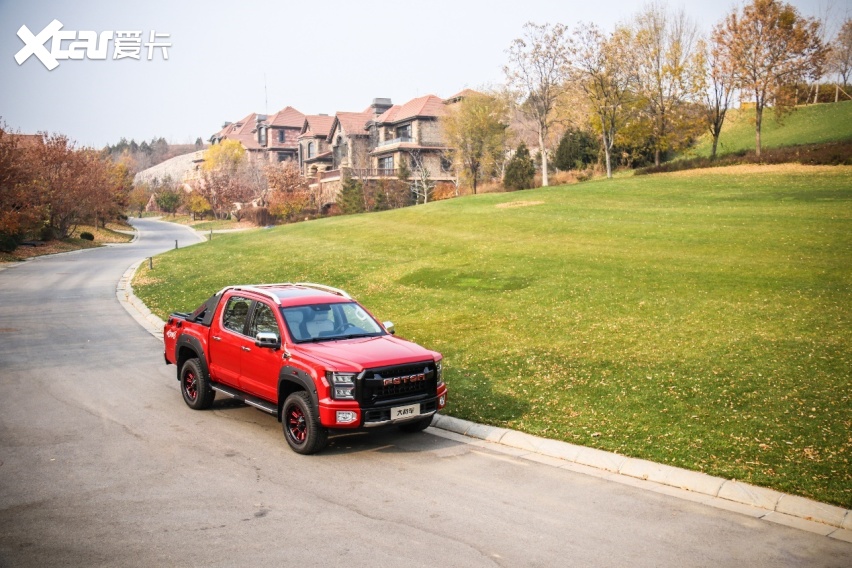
x: 102, y: 464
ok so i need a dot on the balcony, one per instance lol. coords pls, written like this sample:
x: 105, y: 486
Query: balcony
x: 360, y: 173
x: 399, y: 140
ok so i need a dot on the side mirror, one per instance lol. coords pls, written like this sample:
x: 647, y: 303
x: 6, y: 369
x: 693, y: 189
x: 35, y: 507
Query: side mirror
x: 268, y: 340
x: 389, y: 327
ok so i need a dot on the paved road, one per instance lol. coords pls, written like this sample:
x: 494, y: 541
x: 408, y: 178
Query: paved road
x: 102, y: 464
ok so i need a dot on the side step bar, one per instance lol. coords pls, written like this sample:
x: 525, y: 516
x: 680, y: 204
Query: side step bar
x: 261, y: 404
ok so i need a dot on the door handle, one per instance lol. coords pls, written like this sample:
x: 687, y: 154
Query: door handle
x: 217, y: 338
x: 244, y: 348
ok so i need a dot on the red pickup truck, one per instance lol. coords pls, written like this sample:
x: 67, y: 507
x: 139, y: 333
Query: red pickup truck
x: 310, y: 355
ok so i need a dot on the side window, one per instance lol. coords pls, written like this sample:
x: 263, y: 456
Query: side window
x: 234, y: 317
x: 263, y: 320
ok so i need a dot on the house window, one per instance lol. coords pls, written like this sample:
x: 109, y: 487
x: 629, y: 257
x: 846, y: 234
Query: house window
x: 262, y: 133
x: 446, y: 164
x: 310, y: 150
x: 386, y: 164
x: 281, y: 136
x: 404, y: 131
x: 282, y: 156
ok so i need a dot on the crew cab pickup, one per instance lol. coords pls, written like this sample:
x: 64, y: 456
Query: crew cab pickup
x: 308, y: 354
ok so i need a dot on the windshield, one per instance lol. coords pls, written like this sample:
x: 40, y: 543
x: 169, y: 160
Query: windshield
x: 327, y: 322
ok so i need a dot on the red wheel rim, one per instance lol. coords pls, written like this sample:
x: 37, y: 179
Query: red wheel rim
x: 189, y: 385
x: 296, y: 425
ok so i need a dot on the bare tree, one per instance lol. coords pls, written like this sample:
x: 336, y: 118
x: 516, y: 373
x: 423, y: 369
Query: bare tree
x: 840, y: 58
x: 768, y: 46
x: 537, y: 73
x: 422, y: 185
x: 719, y: 93
x: 605, y: 68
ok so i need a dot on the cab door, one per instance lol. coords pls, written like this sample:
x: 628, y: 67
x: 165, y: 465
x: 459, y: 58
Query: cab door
x: 228, y: 341
x: 260, y: 366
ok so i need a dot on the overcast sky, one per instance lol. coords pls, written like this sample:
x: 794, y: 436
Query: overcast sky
x: 230, y: 58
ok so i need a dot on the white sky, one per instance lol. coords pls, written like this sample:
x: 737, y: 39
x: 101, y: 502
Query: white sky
x: 317, y: 56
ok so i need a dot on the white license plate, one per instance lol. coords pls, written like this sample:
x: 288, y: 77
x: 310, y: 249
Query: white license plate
x: 405, y: 411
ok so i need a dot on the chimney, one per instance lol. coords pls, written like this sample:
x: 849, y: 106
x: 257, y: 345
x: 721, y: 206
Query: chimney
x: 226, y: 124
x: 379, y: 106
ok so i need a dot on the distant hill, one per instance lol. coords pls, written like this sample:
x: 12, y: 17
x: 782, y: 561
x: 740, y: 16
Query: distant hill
x: 179, y: 169
x: 810, y: 124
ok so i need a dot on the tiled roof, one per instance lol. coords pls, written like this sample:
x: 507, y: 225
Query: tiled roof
x: 287, y: 117
x: 353, y: 123
x: 389, y: 115
x: 426, y: 106
x: 242, y: 132
x: 316, y: 125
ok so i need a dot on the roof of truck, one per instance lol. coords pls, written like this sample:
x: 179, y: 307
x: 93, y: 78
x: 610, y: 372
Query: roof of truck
x: 295, y: 294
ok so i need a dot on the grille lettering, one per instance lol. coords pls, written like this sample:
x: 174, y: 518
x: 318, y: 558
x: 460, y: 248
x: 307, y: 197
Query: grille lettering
x: 407, y: 379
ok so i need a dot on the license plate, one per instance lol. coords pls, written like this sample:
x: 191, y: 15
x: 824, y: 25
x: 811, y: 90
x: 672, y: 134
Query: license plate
x: 405, y: 411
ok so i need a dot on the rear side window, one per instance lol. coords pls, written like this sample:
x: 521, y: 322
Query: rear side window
x: 236, y: 311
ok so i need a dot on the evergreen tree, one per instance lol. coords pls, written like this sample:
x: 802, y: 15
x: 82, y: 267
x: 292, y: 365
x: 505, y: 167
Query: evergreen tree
x: 520, y: 171
x: 351, y: 197
x: 577, y: 150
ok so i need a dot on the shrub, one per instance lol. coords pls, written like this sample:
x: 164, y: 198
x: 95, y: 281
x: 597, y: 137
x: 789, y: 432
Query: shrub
x: 87, y: 236
x: 520, y: 171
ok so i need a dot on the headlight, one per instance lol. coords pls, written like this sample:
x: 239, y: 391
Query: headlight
x: 342, y: 385
x: 439, y: 371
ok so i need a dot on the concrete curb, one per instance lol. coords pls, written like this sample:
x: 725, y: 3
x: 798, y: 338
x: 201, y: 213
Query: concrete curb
x: 758, y: 502
x: 763, y: 503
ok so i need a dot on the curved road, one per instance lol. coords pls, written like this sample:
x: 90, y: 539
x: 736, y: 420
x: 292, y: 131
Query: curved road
x: 102, y: 464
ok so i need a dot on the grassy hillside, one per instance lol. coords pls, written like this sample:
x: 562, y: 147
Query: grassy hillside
x: 809, y: 124
x: 699, y: 319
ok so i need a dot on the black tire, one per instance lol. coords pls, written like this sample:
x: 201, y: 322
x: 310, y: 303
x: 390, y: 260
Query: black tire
x: 301, y: 424
x: 195, y: 386
x: 416, y: 425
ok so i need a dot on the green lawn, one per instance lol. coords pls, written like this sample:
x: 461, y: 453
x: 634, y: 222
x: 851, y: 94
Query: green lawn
x: 810, y: 124
x: 699, y: 319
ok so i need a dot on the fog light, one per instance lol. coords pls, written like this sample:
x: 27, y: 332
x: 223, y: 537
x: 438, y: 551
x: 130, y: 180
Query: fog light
x: 442, y: 400
x: 346, y: 417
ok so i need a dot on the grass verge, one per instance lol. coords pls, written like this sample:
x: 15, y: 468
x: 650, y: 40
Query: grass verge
x: 699, y: 319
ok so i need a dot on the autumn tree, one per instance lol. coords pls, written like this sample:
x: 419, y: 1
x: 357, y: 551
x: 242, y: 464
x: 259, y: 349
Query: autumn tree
x: 21, y: 211
x: 288, y: 190
x: 223, y: 181
x: 169, y: 199
x: 138, y: 198
x: 537, y: 75
x: 770, y: 45
x: 423, y: 184
x: 669, y: 76
x: 197, y: 205
x: 476, y: 131
x: 604, y: 67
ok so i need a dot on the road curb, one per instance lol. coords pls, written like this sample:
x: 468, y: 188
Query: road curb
x: 830, y: 520
x: 761, y: 502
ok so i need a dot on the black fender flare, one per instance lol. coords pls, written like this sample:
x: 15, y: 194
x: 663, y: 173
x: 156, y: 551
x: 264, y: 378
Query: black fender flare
x: 301, y: 380
x: 194, y: 345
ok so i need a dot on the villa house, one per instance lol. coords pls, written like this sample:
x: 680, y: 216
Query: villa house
x: 279, y: 134
x: 411, y: 133
x: 269, y: 138
x: 314, y: 154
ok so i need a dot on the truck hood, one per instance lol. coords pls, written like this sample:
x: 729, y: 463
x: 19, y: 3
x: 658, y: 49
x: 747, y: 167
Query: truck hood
x: 366, y: 352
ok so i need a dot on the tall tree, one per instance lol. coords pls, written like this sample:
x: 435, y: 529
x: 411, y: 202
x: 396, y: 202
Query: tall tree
x: 720, y: 90
x: 767, y: 46
x: 537, y: 75
x: 605, y: 68
x: 670, y: 75
x: 840, y: 57
x: 475, y: 128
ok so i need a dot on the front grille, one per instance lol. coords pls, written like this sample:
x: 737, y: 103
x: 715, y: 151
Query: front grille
x: 376, y: 388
